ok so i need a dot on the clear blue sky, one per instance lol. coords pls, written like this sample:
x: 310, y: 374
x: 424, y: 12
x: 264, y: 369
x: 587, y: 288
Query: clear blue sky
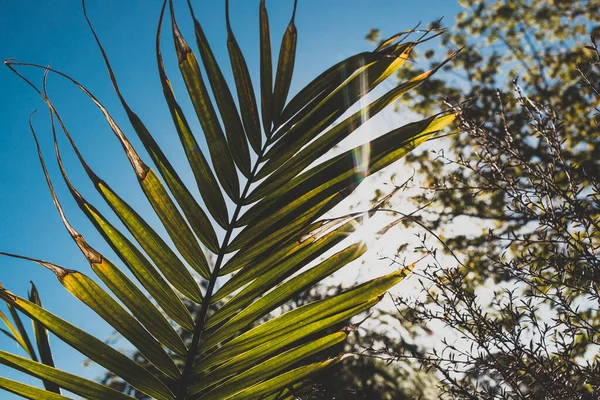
x: 54, y: 32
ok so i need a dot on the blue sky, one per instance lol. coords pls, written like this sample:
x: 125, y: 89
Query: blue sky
x: 55, y: 33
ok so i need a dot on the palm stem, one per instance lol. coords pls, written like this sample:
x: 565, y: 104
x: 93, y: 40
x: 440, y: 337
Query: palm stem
x: 200, y: 320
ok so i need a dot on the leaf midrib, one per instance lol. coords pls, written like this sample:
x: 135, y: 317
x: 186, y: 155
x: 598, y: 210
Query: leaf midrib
x: 200, y: 320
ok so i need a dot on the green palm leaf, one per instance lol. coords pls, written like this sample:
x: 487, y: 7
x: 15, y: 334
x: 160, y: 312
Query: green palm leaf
x: 272, y: 226
x: 42, y: 340
x: 285, y: 68
x: 29, y: 392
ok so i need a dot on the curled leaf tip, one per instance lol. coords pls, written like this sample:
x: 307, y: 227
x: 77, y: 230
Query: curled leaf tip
x: 180, y: 43
x: 294, y: 11
x: 59, y: 271
x: 92, y: 255
x: 227, y: 21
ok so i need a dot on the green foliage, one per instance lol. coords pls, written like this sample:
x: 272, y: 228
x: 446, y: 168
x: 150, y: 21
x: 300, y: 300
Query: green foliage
x: 230, y: 346
x: 522, y: 175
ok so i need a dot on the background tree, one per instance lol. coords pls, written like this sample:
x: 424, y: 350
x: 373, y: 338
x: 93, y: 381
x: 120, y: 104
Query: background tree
x: 540, y: 42
x: 518, y: 207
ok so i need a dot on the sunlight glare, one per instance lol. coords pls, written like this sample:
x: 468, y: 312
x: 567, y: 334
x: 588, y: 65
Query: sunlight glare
x: 362, y: 153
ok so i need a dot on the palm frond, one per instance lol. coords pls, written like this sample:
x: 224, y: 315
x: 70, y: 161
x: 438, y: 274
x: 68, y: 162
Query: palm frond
x: 267, y: 209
